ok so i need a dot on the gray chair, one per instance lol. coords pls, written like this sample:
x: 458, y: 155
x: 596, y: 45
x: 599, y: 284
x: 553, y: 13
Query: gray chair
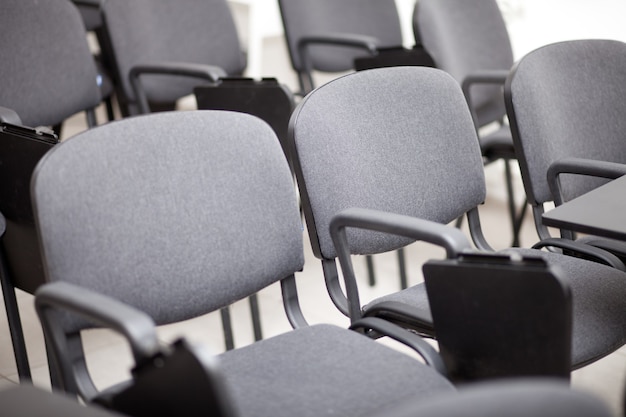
x: 565, y: 102
x: 401, y: 142
x: 469, y: 40
x: 160, y: 50
x: 47, y: 74
x: 327, y: 35
x: 178, y: 214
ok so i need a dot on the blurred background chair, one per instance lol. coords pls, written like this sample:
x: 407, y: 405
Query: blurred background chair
x: 47, y: 74
x: 168, y: 48
x: 565, y: 103
x: 469, y: 40
x: 382, y: 140
x: 328, y: 35
x: 212, y: 218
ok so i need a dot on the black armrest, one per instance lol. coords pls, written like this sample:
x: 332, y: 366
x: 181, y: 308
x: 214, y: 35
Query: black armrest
x: 8, y: 115
x: 88, y: 3
x: 450, y: 238
x: 187, y: 69
x: 581, y: 166
x: 395, y: 332
x: 367, y: 43
x: 482, y: 77
x: 363, y: 42
x: 137, y: 327
x: 588, y: 251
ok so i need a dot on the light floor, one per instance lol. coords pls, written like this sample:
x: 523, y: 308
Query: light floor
x: 109, y: 358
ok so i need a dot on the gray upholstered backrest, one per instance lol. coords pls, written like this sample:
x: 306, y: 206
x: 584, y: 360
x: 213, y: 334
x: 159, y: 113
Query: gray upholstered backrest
x: 152, y: 31
x: 395, y: 139
x: 464, y: 37
x: 175, y: 213
x: 568, y: 100
x: 303, y: 18
x: 47, y: 72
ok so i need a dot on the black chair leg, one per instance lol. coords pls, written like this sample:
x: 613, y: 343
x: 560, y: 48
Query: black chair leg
x: 227, y: 327
x: 404, y: 282
x: 511, y: 200
x: 371, y: 277
x: 256, y: 317
x: 15, y: 326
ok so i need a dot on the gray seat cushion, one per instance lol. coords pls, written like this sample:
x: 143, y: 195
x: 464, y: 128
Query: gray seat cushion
x: 324, y: 361
x: 599, y: 313
x: 598, y: 294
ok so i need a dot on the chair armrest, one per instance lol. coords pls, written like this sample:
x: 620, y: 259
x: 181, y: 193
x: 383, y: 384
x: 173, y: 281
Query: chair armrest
x: 581, y: 166
x: 450, y: 238
x: 187, y: 69
x: 481, y: 77
x: 418, y: 344
x: 367, y: 43
x: 88, y: 3
x: 8, y: 115
x: 588, y: 251
x: 137, y: 327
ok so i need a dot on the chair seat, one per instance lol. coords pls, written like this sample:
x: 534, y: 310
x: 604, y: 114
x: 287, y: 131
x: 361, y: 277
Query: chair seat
x: 598, y: 294
x: 403, y: 307
x: 265, y: 383
x: 599, y: 316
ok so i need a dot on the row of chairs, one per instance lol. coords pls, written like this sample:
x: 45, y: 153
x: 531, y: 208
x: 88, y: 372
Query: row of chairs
x: 142, y: 39
x: 227, y: 189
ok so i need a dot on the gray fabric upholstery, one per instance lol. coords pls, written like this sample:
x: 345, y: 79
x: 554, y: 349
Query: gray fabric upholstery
x: 304, y: 18
x: 463, y: 37
x: 599, y: 313
x: 47, y: 72
x: 567, y: 100
x: 520, y: 398
x: 289, y: 375
x: 156, y: 211
x: 153, y: 31
x: 358, y: 148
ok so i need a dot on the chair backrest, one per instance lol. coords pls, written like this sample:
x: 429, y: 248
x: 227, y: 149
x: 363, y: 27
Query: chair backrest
x: 397, y: 139
x: 177, y: 213
x: 47, y: 72
x: 304, y: 18
x: 567, y: 100
x: 154, y: 31
x: 465, y: 36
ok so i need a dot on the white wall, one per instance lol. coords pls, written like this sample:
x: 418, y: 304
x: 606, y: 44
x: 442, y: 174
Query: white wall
x: 533, y: 23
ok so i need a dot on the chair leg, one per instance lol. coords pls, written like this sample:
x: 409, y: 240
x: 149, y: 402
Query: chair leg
x: 404, y: 282
x: 511, y: 200
x: 227, y: 327
x: 108, y: 103
x: 256, y: 317
x: 15, y: 326
x: 371, y: 276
